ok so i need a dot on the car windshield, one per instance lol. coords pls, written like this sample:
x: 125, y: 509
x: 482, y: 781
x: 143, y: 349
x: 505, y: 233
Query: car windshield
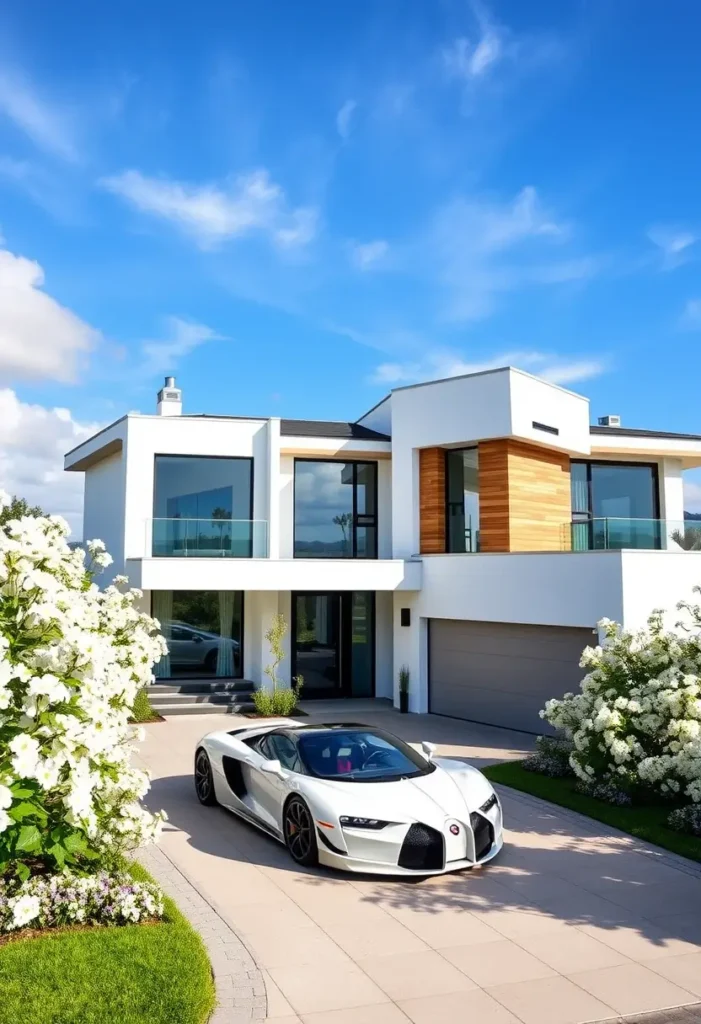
x: 360, y: 755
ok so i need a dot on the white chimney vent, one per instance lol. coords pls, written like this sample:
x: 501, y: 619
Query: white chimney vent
x: 170, y: 399
x: 609, y: 421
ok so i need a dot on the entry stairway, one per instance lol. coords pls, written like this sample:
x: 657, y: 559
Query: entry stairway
x: 202, y: 697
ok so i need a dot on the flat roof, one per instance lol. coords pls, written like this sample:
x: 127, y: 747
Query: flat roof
x: 330, y: 428
x: 638, y: 432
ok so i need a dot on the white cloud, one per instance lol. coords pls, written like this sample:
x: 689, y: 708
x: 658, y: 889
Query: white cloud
x: 440, y: 364
x: 33, y: 441
x: 467, y: 59
x: 477, y: 249
x: 49, y: 128
x: 673, y: 243
x: 366, y: 255
x: 691, y: 317
x: 183, y: 336
x: 212, y: 213
x: 344, y: 118
x: 39, y: 338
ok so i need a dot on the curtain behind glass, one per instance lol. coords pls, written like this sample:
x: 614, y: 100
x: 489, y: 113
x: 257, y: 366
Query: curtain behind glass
x: 162, y: 609
x: 225, y: 655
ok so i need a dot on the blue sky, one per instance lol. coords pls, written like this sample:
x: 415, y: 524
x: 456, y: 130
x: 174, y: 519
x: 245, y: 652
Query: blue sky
x: 294, y: 207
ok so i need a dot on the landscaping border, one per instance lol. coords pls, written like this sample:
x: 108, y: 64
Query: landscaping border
x: 239, y: 983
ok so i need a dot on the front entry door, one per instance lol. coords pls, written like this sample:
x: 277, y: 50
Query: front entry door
x: 317, y: 644
x: 333, y: 643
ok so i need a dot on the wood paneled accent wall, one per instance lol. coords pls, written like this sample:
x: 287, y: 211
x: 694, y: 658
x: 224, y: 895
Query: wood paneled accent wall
x: 432, y: 500
x: 525, y: 502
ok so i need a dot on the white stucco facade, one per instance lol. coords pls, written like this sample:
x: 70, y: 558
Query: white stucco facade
x: 557, y: 589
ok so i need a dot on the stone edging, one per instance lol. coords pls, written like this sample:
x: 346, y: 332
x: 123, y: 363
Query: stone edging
x: 239, y: 983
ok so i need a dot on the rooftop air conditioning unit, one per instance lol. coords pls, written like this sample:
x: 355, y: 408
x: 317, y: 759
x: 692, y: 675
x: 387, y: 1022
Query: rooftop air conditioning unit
x: 609, y: 421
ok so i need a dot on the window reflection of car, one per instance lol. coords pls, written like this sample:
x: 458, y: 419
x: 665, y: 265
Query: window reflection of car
x: 197, y: 647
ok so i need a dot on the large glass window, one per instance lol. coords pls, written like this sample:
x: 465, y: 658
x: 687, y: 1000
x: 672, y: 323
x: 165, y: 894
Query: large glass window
x: 462, y: 500
x: 204, y: 633
x: 202, y: 505
x: 615, y: 505
x: 335, y: 514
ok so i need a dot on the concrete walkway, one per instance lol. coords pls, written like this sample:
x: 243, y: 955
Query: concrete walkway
x: 573, y: 922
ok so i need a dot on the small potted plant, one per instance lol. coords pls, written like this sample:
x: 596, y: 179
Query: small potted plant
x: 404, y: 689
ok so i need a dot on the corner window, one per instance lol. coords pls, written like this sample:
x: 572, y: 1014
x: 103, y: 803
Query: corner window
x: 462, y: 500
x: 204, y: 633
x: 335, y: 509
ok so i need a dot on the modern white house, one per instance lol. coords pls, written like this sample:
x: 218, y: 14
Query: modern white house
x: 474, y: 529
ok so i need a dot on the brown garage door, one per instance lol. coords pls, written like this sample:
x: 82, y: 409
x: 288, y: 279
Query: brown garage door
x: 501, y: 673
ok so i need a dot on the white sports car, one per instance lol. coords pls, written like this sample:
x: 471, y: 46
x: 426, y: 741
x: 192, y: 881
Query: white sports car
x: 352, y: 797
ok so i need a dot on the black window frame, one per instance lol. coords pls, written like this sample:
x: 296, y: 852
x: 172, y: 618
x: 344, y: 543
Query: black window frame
x: 447, y: 503
x: 238, y: 458
x: 617, y: 463
x: 588, y: 517
x: 368, y: 520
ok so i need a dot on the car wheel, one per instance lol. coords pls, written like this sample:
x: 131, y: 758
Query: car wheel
x: 204, y: 780
x: 210, y: 662
x: 300, y: 837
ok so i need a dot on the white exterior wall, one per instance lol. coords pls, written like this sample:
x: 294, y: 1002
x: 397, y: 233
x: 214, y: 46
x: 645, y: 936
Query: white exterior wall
x: 103, y: 510
x: 148, y: 436
x: 671, y: 489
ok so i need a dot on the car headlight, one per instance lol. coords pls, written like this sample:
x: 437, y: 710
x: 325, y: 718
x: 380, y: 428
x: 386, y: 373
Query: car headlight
x: 371, y: 823
x: 489, y: 803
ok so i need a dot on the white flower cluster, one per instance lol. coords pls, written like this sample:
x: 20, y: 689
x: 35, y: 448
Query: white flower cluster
x: 57, y: 900
x: 637, y: 717
x: 72, y: 660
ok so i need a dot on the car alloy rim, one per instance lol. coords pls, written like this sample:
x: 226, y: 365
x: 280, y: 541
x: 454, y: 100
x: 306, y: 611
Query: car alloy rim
x: 203, y: 780
x: 298, y: 830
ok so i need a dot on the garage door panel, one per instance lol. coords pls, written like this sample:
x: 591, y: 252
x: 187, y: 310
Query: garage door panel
x: 502, y: 673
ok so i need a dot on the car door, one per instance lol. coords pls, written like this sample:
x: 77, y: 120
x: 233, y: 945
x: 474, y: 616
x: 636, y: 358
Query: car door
x: 271, y: 789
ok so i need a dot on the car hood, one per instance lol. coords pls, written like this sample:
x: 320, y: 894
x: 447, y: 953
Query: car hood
x: 453, y: 790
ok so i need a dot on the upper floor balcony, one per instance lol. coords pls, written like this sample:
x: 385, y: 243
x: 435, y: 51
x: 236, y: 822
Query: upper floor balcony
x: 207, y: 538
x: 617, y: 534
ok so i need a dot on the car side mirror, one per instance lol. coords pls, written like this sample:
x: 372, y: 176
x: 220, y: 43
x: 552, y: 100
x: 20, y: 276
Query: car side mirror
x: 271, y: 767
x: 197, y: 640
x: 429, y: 749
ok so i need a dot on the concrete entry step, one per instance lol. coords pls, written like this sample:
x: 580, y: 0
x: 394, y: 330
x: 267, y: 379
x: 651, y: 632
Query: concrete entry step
x: 202, y: 709
x: 183, y: 699
x: 203, y: 686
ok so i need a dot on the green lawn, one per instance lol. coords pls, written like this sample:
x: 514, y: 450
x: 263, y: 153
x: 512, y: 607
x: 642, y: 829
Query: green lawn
x: 643, y: 822
x: 138, y: 974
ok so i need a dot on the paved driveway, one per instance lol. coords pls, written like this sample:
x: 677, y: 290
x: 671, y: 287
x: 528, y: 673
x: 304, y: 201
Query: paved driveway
x: 572, y: 923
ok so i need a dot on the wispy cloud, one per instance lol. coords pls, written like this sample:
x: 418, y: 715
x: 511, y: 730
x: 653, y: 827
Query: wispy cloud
x: 490, y: 52
x: 182, y: 338
x: 49, y: 128
x: 691, y: 317
x: 344, y: 118
x: 367, y: 255
x: 215, y: 213
x: 674, y: 244
x: 440, y: 364
x: 39, y: 338
x: 479, y: 248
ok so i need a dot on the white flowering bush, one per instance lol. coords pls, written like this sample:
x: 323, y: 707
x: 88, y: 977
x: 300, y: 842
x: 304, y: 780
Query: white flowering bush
x: 67, y: 899
x: 72, y: 659
x: 636, y: 722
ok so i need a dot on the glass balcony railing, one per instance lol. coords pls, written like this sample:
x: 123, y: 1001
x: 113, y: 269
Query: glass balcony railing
x: 646, y: 534
x: 207, y: 538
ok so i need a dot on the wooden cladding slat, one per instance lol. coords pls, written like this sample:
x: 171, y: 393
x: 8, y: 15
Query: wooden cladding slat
x: 432, y: 500
x: 493, y: 469
x: 525, y: 502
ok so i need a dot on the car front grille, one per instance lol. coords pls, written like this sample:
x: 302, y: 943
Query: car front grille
x: 483, y: 833
x: 422, y: 849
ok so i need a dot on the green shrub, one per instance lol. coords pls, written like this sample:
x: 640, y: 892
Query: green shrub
x: 275, y: 702
x: 142, y: 710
